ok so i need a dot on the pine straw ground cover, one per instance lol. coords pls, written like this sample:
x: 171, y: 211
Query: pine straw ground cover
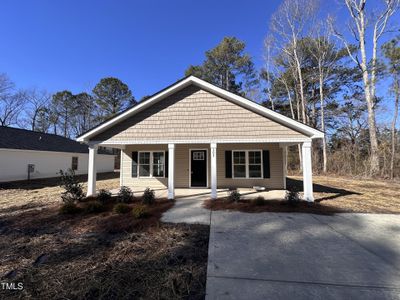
x: 332, y: 195
x: 102, y: 256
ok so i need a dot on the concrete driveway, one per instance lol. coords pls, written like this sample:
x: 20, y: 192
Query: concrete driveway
x: 303, y: 256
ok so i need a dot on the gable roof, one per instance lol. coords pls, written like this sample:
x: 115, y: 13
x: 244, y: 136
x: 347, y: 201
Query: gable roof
x: 22, y: 139
x: 177, y: 86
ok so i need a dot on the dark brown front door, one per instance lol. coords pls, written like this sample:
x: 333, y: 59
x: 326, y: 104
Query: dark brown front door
x: 198, y: 168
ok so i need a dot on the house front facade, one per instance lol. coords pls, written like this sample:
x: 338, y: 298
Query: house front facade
x: 193, y: 134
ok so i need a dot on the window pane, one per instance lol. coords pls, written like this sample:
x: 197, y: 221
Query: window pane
x: 158, y: 170
x: 239, y: 171
x: 239, y: 157
x: 158, y: 157
x: 144, y: 158
x: 144, y: 170
x: 254, y: 157
x: 255, y: 171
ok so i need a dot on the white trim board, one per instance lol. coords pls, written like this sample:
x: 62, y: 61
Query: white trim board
x: 294, y: 141
x: 246, y: 103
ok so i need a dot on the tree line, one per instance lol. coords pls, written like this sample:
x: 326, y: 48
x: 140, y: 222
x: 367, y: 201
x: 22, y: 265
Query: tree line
x: 314, y: 71
x: 326, y: 76
x: 63, y: 112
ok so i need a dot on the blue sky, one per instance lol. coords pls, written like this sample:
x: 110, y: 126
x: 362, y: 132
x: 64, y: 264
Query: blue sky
x: 56, y: 45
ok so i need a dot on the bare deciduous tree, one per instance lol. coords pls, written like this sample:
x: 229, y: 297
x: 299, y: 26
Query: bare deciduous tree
x: 359, y: 23
x: 11, y: 102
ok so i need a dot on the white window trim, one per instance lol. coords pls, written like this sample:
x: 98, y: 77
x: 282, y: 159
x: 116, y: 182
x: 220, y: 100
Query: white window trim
x: 247, y: 164
x: 151, y: 164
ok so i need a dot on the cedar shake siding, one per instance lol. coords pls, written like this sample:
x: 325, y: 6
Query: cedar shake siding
x: 193, y: 114
x: 182, y: 157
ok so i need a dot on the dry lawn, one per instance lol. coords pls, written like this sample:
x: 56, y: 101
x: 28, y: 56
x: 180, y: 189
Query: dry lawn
x: 23, y: 195
x: 332, y: 195
x: 355, y: 195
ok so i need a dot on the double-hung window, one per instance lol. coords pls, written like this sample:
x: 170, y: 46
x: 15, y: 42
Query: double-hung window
x: 151, y: 164
x: 247, y: 164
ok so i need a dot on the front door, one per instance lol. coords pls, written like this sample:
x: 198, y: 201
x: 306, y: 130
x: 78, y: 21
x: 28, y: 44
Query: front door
x: 198, y: 168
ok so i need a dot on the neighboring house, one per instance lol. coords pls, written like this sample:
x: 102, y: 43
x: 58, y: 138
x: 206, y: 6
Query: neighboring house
x: 195, y: 134
x: 44, y: 155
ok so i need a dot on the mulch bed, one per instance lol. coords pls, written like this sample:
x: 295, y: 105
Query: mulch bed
x: 103, y: 255
x: 271, y: 206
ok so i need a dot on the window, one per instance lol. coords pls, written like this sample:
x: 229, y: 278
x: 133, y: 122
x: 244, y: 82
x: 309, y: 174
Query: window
x: 247, y: 164
x: 151, y: 164
x: 239, y: 164
x: 198, y: 155
x: 74, y: 163
x: 254, y: 164
x: 158, y: 164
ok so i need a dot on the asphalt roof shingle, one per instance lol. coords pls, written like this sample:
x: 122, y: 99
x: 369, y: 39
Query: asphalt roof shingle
x: 16, y: 138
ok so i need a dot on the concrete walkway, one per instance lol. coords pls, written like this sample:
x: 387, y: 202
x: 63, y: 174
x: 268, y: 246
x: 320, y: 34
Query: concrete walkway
x: 188, y: 206
x: 303, y: 256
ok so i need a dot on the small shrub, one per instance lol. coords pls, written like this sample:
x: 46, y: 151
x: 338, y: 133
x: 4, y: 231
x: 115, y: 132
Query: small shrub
x: 121, y: 208
x: 125, y: 195
x: 259, y: 201
x: 104, y: 196
x: 73, y: 189
x: 234, y: 196
x: 69, y: 209
x: 148, y: 197
x: 94, y: 207
x: 140, y: 211
x: 292, y: 197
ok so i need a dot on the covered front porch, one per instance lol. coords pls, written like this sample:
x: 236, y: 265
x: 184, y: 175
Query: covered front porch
x: 178, y: 163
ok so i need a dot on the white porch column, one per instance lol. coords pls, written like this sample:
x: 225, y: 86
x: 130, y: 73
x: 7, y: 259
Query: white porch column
x: 307, y: 172
x: 171, y: 171
x: 213, y: 147
x: 284, y: 157
x: 121, y: 167
x: 92, y: 170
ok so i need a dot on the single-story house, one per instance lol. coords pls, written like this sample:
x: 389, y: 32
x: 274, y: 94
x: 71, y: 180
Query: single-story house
x: 26, y: 154
x: 194, y: 134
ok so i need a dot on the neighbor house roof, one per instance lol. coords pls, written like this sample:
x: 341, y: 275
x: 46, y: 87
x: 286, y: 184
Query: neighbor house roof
x: 22, y: 139
x: 192, y: 80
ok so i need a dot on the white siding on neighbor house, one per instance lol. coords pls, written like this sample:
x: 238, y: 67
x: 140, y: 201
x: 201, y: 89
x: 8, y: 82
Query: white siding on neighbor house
x: 14, y: 163
x: 276, y: 181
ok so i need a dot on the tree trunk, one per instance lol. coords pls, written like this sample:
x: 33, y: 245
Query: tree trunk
x: 321, y: 96
x: 300, y: 75
x: 393, y: 129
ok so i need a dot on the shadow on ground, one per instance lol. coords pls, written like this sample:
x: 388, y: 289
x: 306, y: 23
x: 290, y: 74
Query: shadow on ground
x: 297, y: 185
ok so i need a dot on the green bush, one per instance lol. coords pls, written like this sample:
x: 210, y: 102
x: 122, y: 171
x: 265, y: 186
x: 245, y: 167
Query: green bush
x: 94, y: 207
x: 292, y: 197
x: 234, y: 196
x: 125, y: 195
x: 148, y: 197
x: 104, y: 196
x: 69, y: 209
x: 121, y: 208
x: 140, y: 211
x: 73, y: 189
x: 259, y: 201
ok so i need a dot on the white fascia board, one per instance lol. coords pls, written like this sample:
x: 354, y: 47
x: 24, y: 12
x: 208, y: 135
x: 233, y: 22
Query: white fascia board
x: 307, y: 130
